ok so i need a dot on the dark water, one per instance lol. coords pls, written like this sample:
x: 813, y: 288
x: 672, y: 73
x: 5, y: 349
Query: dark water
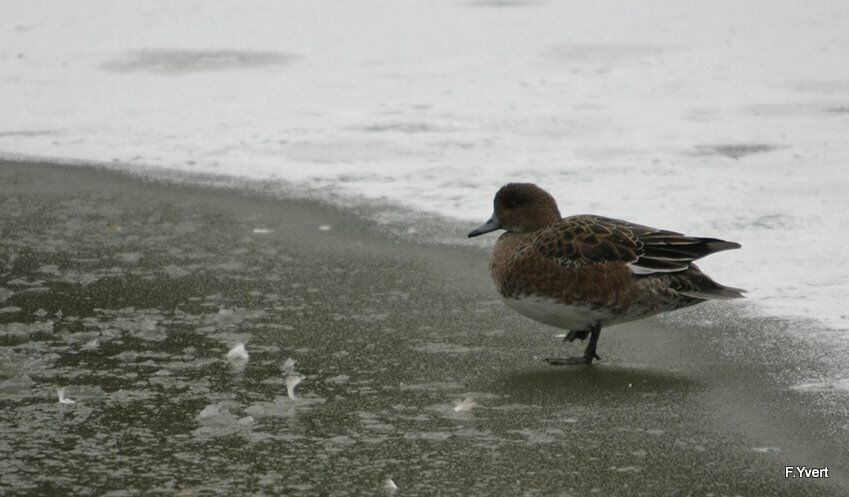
x: 129, y: 295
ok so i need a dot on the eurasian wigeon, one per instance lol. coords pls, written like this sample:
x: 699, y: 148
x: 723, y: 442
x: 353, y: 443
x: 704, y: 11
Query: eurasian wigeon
x: 583, y: 272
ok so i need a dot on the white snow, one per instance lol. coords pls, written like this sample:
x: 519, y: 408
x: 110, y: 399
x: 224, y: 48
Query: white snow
x: 725, y: 119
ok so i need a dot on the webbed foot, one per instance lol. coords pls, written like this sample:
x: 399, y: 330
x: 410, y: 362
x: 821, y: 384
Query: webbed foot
x: 571, y: 361
x: 589, y: 353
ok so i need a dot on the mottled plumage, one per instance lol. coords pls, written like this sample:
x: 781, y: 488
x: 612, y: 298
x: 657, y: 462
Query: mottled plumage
x: 584, y: 272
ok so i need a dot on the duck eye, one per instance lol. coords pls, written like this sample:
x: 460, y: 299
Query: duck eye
x: 515, y: 202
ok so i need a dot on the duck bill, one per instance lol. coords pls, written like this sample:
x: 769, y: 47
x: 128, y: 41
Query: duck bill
x: 491, y: 225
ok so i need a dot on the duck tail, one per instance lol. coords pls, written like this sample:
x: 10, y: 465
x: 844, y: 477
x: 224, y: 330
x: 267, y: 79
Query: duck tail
x: 720, y: 293
x: 698, y: 285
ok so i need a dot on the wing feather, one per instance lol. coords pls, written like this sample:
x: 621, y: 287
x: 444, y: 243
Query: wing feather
x: 584, y: 240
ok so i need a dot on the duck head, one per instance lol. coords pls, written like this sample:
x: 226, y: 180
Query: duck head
x: 520, y: 208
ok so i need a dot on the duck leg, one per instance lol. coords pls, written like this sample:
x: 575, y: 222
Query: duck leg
x: 589, y: 352
x: 576, y: 335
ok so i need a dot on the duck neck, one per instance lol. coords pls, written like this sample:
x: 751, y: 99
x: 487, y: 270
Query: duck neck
x: 538, y: 219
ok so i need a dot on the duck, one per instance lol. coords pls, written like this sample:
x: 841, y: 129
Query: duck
x: 585, y: 272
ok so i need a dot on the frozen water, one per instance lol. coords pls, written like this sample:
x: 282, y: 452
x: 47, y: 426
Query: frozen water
x: 177, y: 62
x: 386, y: 367
x: 702, y: 118
x: 446, y: 348
x: 282, y: 406
x: 838, y: 384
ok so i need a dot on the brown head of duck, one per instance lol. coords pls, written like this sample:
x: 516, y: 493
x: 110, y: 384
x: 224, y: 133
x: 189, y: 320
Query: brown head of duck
x: 520, y: 208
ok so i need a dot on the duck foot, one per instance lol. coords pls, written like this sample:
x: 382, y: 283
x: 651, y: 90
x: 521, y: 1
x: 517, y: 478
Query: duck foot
x: 571, y: 361
x: 589, y: 353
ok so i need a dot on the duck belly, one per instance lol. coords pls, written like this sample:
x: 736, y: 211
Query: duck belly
x: 558, y: 314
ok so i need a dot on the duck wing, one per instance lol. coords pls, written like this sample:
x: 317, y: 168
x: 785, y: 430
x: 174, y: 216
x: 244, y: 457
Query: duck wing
x: 584, y: 240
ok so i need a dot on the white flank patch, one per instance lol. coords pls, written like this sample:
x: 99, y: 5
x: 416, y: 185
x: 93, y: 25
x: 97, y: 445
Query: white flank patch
x: 238, y: 353
x: 644, y: 270
x: 553, y: 313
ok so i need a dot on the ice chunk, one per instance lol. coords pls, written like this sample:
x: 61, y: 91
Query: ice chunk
x: 464, y: 405
x: 62, y: 399
x: 291, y: 382
x: 390, y: 486
x: 342, y: 378
x: 766, y: 450
x: 279, y: 407
x: 217, y: 414
x: 210, y: 411
x: 238, y: 353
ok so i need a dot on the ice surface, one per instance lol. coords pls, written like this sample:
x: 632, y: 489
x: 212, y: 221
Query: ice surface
x: 282, y: 406
x: 718, y: 119
x: 840, y: 384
